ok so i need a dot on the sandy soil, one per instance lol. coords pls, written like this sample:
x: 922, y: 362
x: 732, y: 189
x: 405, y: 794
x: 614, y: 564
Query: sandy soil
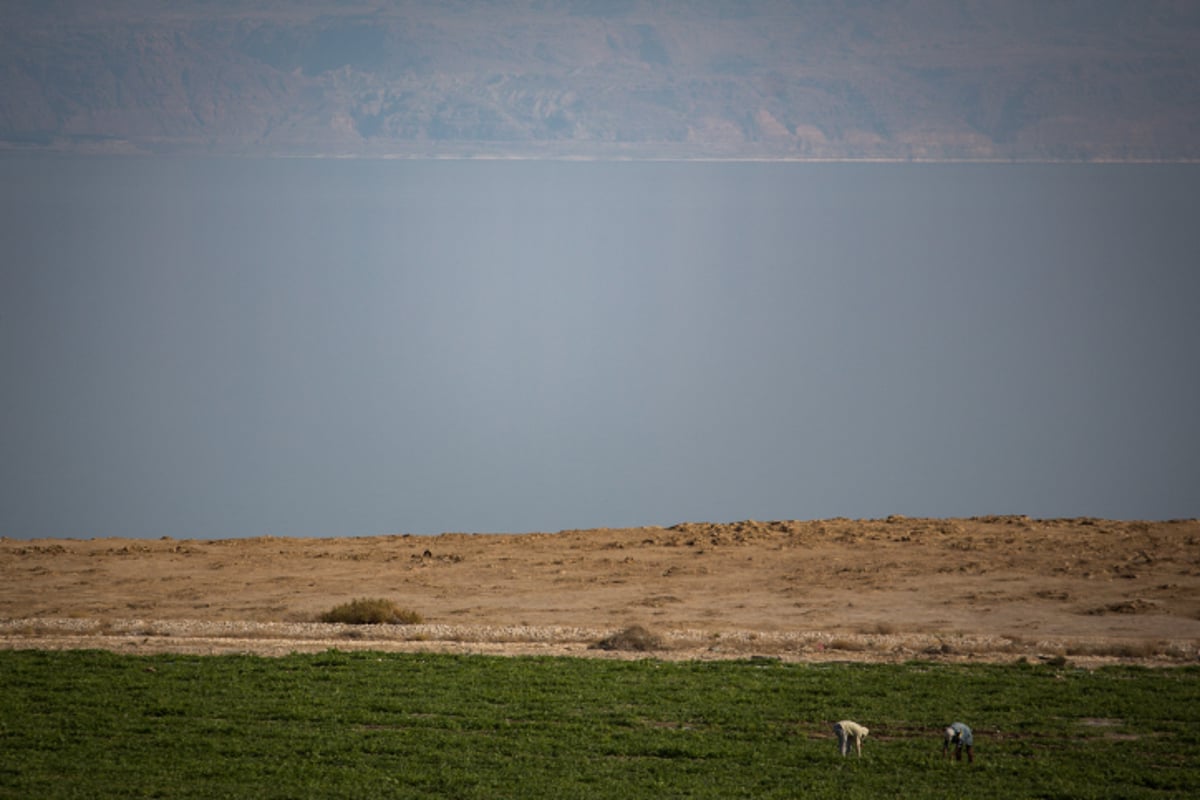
x: 979, y: 589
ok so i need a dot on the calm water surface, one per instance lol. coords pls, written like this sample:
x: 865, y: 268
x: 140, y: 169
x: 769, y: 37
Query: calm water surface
x: 234, y: 348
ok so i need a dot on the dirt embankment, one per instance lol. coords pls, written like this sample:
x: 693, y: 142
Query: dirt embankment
x: 984, y: 588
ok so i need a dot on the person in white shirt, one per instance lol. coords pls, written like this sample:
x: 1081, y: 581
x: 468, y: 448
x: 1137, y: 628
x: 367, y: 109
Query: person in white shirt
x: 846, y: 731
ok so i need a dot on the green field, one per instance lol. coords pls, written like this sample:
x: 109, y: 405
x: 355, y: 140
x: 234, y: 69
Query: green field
x: 97, y: 725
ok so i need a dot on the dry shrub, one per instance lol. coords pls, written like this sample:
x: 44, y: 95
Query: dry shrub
x: 1178, y: 651
x: 1149, y: 649
x: 634, y: 638
x: 371, y: 611
x: 1142, y: 649
x: 849, y: 645
x: 1134, y: 606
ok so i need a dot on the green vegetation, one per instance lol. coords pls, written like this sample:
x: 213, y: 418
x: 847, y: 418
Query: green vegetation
x: 371, y: 611
x: 95, y: 724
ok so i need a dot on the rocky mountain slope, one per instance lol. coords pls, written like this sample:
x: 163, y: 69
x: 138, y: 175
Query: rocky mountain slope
x: 915, y: 79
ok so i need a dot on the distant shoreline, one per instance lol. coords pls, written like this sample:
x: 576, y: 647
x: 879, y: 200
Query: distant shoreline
x: 9, y: 150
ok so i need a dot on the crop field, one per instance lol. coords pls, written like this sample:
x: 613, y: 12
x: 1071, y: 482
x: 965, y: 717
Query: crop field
x: 365, y: 724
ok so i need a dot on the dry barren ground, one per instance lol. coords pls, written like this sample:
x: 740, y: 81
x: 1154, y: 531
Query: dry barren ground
x: 982, y: 589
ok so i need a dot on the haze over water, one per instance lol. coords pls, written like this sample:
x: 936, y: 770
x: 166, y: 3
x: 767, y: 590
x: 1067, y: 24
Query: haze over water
x: 220, y: 348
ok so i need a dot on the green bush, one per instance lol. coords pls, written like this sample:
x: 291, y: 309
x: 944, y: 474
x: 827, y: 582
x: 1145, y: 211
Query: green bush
x: 371, y: 611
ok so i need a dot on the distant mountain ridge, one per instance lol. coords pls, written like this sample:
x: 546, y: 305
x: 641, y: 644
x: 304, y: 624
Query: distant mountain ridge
x: 913, y: 79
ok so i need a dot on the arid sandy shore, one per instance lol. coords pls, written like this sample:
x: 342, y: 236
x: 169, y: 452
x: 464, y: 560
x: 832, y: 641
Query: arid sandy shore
x: 979, y: 589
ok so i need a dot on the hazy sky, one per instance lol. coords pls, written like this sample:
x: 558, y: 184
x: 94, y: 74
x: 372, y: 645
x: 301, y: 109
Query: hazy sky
x: 237, y: 348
